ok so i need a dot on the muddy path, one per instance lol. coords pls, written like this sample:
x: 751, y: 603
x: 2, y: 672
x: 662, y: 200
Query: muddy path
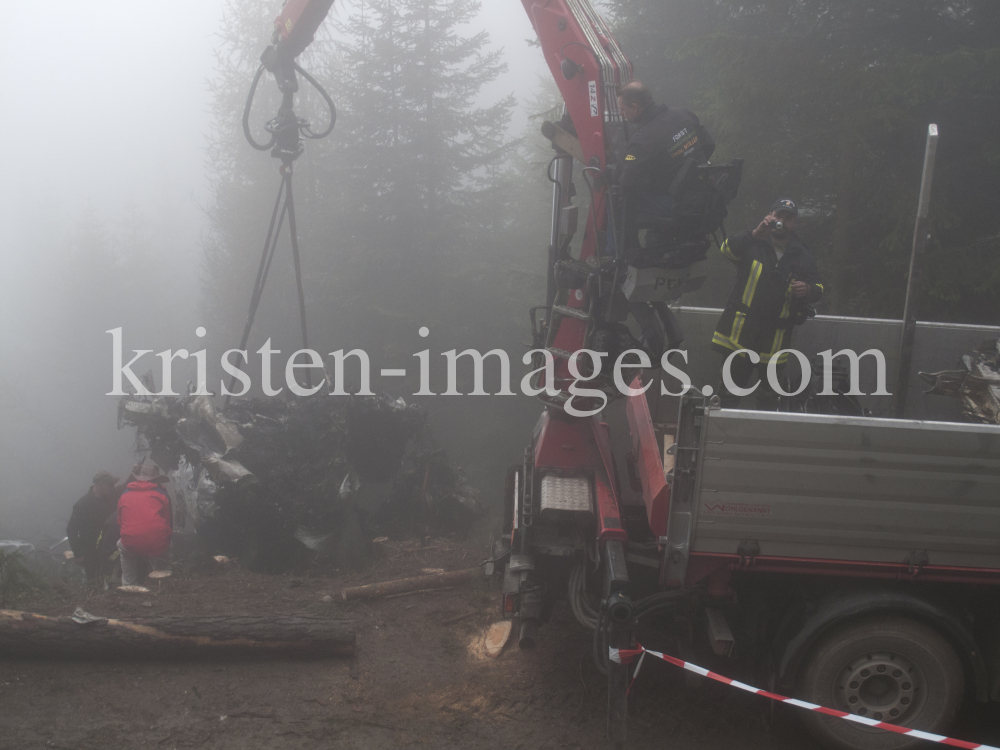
x: 419, y: 679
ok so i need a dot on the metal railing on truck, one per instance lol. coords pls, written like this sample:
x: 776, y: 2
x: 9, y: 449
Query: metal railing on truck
x: 833, y: 495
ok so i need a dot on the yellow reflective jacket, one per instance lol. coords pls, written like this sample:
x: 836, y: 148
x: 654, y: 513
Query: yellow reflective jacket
x: 761, y: 309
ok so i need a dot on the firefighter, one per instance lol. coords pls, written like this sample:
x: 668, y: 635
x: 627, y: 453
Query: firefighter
x: 777, y: 283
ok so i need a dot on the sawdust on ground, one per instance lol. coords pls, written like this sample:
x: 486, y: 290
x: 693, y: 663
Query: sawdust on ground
x: 418, y: 679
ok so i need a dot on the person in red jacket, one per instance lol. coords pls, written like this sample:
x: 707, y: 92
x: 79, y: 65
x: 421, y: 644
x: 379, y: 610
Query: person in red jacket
x: 146, y: 522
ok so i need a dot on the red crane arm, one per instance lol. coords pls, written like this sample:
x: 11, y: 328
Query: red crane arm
x: 296, y: 25
x: 587, y: 65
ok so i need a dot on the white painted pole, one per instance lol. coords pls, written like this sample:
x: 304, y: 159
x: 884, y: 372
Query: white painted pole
x: 920, y: 238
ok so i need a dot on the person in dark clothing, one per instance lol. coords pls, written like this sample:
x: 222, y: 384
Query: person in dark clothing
x: 661, y: 139
x: 777, y: 282
x: 664, y: 144
x: 92, y: 524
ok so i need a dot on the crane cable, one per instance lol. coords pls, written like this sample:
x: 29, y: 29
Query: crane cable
x: 282, y: 208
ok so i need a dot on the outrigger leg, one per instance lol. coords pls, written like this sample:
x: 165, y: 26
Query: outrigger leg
x: 615, y: 630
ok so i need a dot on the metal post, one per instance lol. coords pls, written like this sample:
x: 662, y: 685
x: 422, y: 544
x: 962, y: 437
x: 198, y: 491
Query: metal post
x: 562, y: 179
x: 920, y: 238
x: 617, y: 617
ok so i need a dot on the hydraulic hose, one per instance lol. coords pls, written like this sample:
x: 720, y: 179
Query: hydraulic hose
x: 306, y: 130
x: 584, y: 613
x: 246, y: 113
x: 304, y: 127
x: 658, y: 601
x: 593, y: 202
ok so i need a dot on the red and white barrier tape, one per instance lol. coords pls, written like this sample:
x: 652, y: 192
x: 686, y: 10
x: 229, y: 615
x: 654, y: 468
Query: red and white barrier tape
x: 626, y: 655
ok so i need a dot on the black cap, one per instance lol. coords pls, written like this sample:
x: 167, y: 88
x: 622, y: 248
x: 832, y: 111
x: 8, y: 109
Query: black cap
x: 785, y: 205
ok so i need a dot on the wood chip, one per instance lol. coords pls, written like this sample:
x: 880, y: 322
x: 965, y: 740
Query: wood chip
x: 496, y: 637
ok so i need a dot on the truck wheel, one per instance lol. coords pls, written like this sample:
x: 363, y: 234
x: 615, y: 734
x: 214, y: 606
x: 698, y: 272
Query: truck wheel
x: 887, y: 668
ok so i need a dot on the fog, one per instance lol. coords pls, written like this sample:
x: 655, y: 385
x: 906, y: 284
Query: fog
x: 134, y: 210
x: 132, y: 200
x: 104, y: 222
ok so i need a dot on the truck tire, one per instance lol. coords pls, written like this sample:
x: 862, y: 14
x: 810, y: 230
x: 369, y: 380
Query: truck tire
x: 888, y: 668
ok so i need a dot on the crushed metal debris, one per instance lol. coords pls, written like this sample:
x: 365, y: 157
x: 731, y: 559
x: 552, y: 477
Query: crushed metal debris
x: 282, y: 483
x: 977, y: 385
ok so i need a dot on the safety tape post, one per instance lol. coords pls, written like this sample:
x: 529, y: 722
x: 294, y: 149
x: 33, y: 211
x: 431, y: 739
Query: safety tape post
x: 626, y: 655
x: 635, y: 674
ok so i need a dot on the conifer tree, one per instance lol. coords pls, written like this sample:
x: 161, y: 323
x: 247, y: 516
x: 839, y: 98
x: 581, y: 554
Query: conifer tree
x: 829, y: 103
x: 391, y: 206
x: 418, y: 148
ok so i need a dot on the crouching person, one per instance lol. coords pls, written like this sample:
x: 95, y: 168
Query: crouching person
x: 93, y: 528
x: 146, y: 523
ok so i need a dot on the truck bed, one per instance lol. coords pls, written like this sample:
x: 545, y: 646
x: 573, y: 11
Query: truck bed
x: 856, y: 489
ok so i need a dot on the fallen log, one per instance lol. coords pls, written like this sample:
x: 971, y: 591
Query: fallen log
x: 28, y: 634
x: 408, y: 585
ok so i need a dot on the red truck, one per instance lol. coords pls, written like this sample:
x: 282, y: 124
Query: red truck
x: 851, y: 562
x: 848, y: 561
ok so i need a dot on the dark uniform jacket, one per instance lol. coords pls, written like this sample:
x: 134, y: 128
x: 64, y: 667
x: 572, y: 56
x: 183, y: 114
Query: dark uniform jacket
x: 87, y: 522
x: 761, y: 309
x: 660, y: 140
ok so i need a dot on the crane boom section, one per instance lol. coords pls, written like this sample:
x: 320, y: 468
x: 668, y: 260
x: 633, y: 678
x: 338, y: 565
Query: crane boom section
x: 572, y: 30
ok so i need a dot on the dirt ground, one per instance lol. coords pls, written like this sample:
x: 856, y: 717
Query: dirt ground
x: 418, y: 679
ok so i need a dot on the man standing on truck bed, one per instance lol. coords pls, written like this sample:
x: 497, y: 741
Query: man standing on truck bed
x: 661, y: 138
x: 777, y: 282
x: 664, y: 143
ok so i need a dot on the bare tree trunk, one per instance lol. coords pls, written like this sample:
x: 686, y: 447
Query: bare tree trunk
x: 406, y: 585
x: 27, y: 634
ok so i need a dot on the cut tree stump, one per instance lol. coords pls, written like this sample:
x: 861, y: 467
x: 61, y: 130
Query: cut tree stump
x: 27, y: 634
x: 409, y: 585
